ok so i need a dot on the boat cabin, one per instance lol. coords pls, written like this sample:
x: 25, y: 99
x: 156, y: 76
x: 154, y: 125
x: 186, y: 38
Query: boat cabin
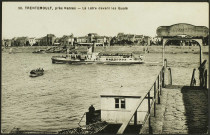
x: 116, y: 106
x: 115, y: 54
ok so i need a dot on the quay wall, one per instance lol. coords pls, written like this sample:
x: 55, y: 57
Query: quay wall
x: 154, y: 49
x: 24, y: 49
x: 137, y: 49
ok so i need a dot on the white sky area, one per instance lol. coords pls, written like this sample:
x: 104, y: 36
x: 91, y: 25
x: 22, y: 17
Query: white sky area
x: 140, y: 18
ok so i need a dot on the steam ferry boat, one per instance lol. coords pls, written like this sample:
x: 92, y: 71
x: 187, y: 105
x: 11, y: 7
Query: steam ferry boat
x: 92, y: 57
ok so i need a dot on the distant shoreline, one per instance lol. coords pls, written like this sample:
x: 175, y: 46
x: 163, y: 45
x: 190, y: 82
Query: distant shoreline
x: 135, y: 49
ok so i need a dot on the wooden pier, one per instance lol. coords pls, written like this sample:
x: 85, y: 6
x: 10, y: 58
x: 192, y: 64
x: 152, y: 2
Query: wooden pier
x: 174, y: 109
x: 183, y: 110
x: 154, y: 99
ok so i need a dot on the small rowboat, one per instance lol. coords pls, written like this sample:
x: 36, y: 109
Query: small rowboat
x: 36, y: 72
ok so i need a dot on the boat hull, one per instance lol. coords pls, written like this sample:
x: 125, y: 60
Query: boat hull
x: 35, y: 75
x: 62, y: 60
x: 79, y: 62
x: 123, y: 63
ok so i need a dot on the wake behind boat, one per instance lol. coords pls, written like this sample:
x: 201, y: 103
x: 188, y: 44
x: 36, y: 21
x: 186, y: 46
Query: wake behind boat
x: 91, y: 57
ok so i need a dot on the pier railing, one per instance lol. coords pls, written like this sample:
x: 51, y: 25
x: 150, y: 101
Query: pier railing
x: 193, y: 81
x: 156, y: 90
x: 203, y: 74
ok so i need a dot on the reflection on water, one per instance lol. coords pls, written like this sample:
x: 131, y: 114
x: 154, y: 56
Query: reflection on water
x: 59, y: 98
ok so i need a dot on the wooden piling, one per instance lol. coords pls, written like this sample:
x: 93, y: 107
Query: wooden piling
x: 154, y: 99
x: 149, y: 111
x: 135, y: 118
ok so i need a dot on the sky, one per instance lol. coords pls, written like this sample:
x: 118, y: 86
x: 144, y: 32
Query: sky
x: 141, y: 18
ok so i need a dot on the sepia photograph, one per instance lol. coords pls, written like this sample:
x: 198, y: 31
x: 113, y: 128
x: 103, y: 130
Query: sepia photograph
x: 104, y: 67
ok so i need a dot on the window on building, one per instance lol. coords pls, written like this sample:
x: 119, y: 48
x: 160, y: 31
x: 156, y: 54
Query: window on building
x: 120, y: 103
x: 117, y: 102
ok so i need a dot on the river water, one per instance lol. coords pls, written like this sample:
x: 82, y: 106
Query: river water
x: 59, y: 98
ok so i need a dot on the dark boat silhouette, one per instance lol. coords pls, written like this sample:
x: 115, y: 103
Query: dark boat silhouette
x: 36, y: 72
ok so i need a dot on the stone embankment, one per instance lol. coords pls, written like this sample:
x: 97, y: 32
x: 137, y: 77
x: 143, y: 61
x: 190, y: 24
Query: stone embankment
x: 136, y: 49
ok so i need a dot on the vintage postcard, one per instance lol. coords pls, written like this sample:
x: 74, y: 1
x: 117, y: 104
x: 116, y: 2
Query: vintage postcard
x: 105, y: 67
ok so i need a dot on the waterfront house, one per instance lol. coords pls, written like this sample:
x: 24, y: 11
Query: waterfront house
x: 43, y: 41
x: 125, y: 38
x: 116, y: 105
x: 48, y: 40
x: 57, y: 41
x: 156, y: 40
x: 91, y: 37
x: 83, y: 39
x: 131, y: 38
x: 147, y: 40
x: 20, y: 41
x: 6, y: 42
x: 67, y: 40
x: 100, y: 40
x: 13, y: 41
x: 139, y: 39
x: 37, y: 41
x: 32, y: 41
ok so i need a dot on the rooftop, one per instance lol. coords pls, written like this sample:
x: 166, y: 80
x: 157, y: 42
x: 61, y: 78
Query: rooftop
x: 122, y: 92
x: 139, y: 36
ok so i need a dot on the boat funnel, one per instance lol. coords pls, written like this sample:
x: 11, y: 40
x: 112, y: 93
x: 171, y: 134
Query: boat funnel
x: 93, y: 47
